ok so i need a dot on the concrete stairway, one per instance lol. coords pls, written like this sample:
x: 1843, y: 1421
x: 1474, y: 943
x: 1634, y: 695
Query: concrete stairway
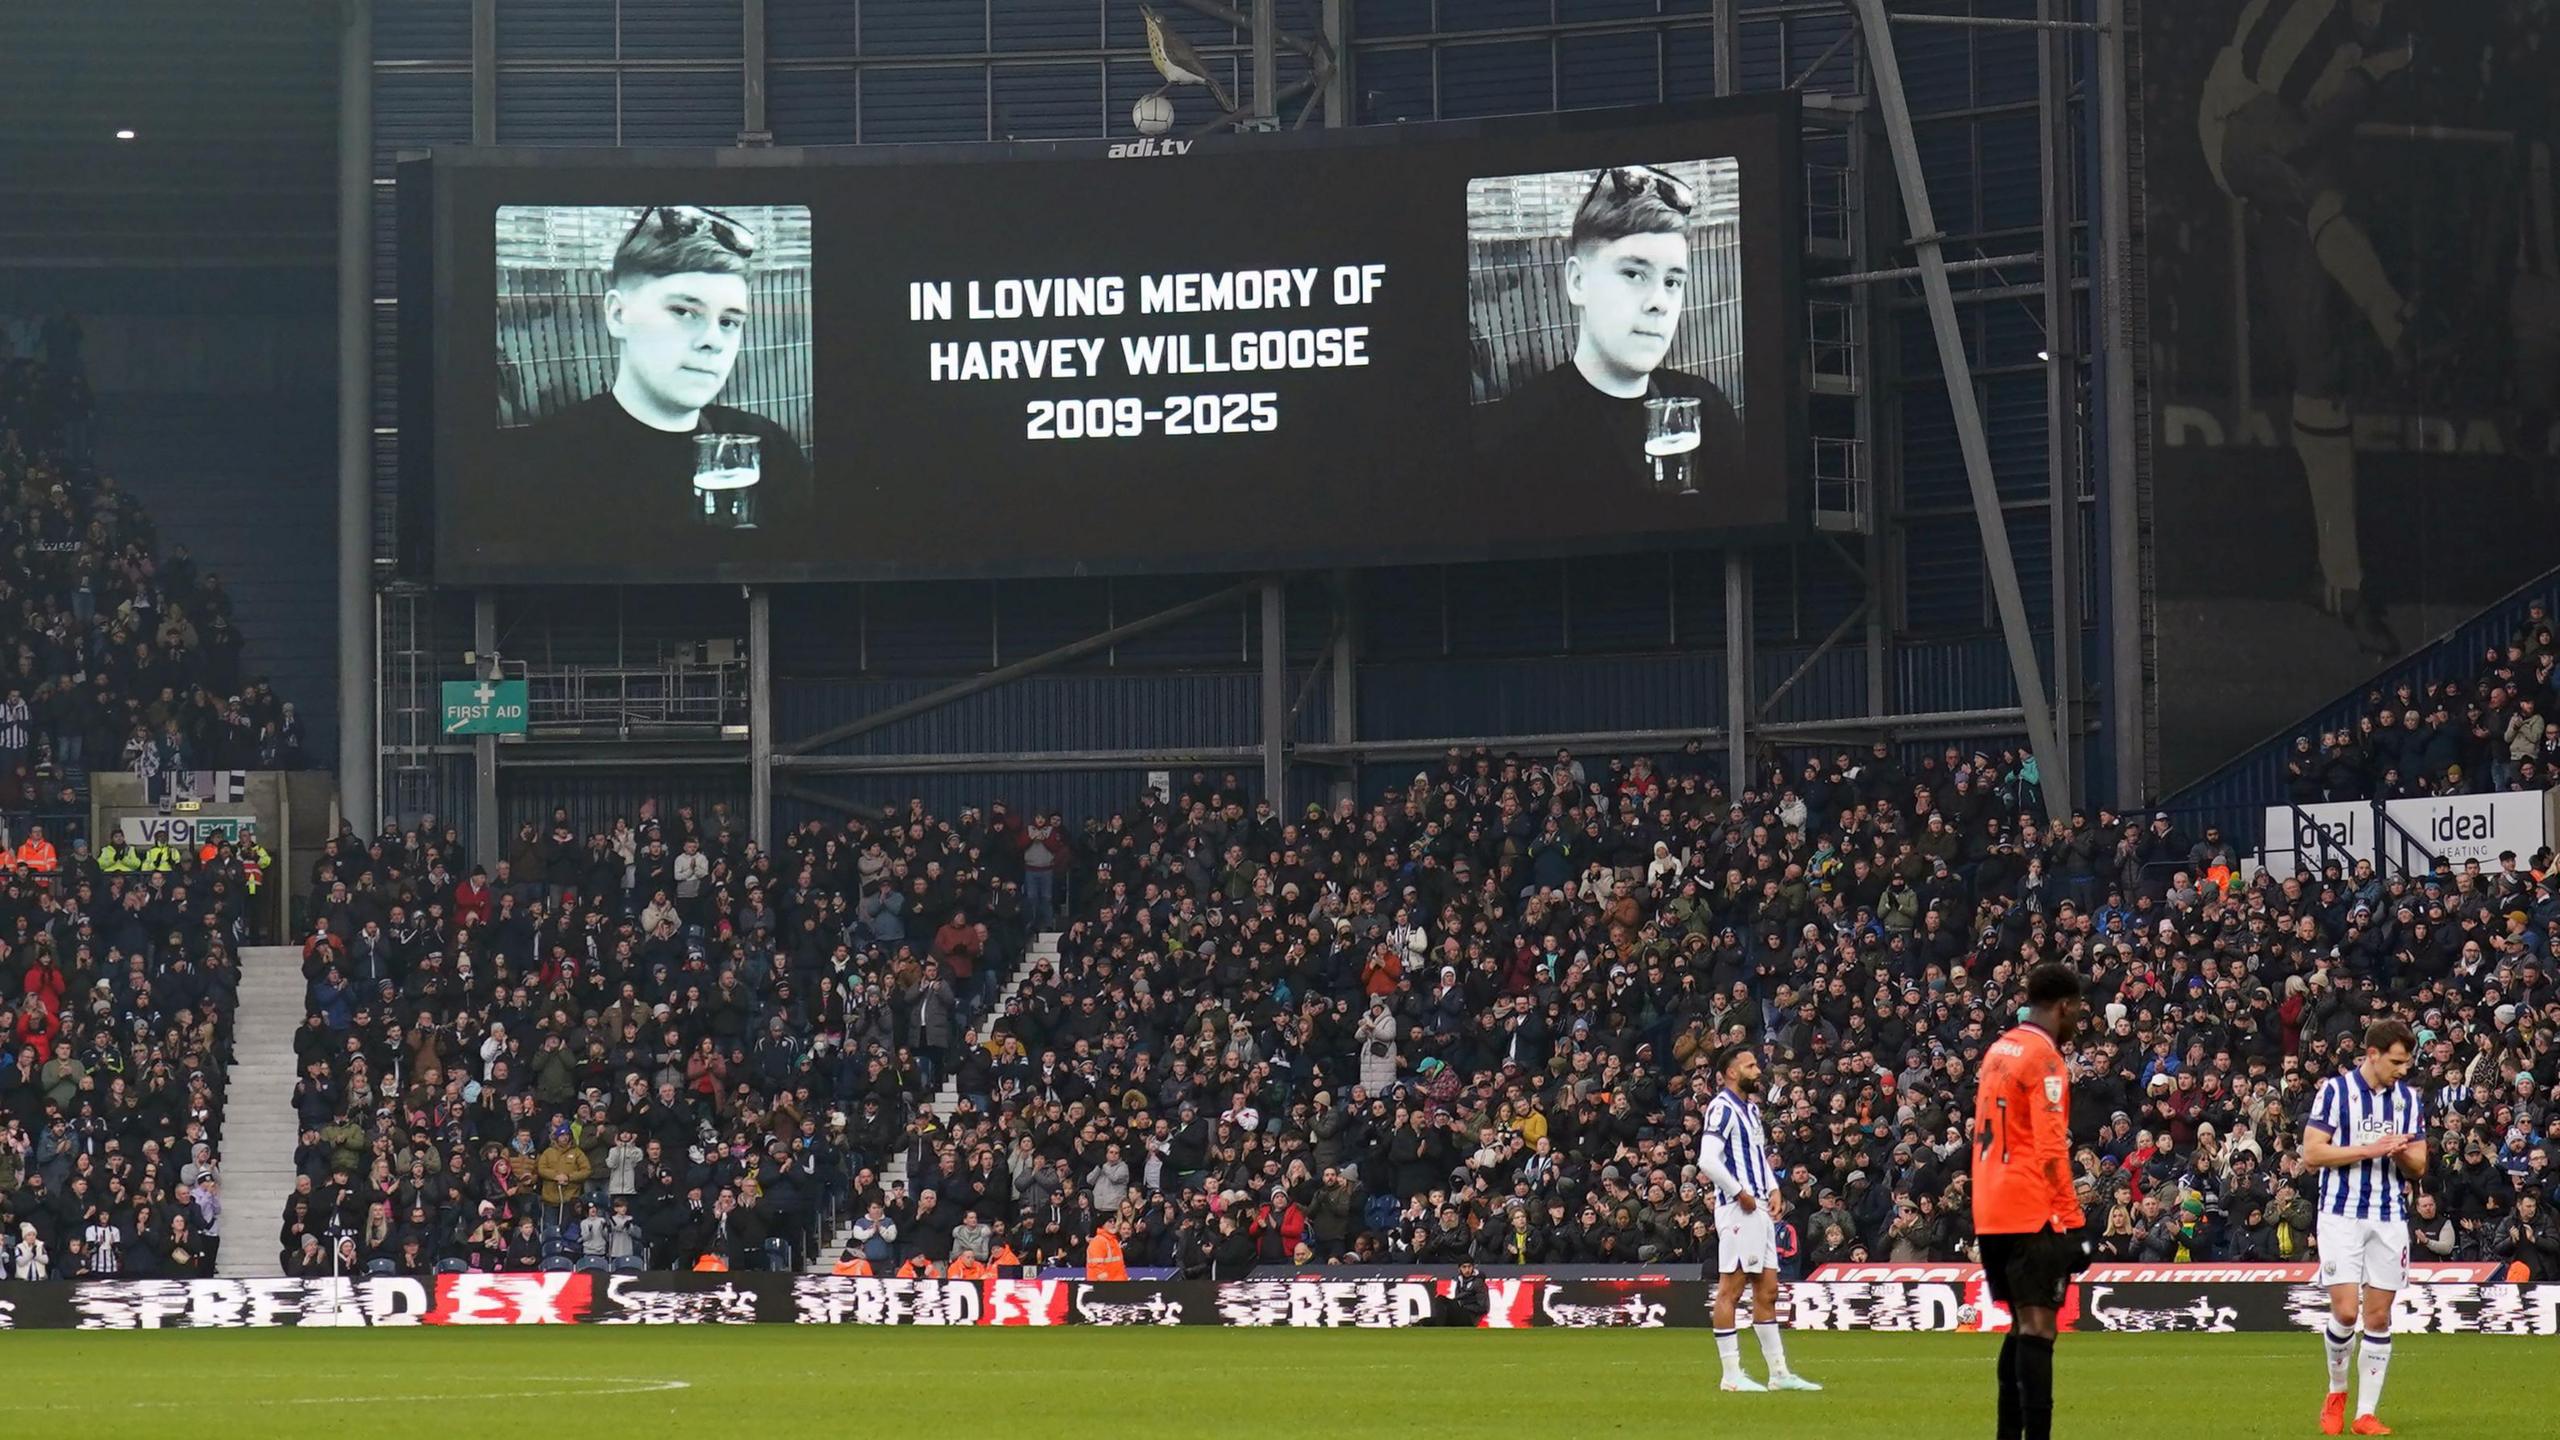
x: 1043, y: 948
x: 258, y: 1132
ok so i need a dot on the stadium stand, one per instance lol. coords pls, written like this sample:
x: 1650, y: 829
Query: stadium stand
x: 1468, y: 1020
x: 2487, y: 731
x: 119, y: 963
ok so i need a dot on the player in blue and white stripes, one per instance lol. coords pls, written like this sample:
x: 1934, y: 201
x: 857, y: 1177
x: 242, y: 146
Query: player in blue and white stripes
x: 2367, y: 1137
x: 1735, y: 1158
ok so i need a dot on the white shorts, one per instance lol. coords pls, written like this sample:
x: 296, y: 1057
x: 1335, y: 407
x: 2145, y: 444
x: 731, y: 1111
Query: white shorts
x: 2370, y: 1253
x: 1746, y: 1241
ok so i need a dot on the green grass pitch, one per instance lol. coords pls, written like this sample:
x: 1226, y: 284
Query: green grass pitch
x: 762, y: 1380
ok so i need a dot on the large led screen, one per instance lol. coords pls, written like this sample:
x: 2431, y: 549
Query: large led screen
x: 1545, y: 336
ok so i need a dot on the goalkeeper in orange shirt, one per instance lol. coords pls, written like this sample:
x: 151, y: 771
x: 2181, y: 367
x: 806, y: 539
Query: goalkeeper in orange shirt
x: 2024, y: 1208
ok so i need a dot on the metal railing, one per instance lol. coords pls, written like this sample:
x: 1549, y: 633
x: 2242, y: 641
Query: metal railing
x: 1830, y: 204
x: 61, y: 827
x: 620, y: 697
x: 2312, y: 846
x: 1832, y: 344
x: 2255, y: 777
x: 1842, y: 496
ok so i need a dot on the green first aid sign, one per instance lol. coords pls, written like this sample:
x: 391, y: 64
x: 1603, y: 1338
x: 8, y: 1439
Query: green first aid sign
x: 484, y: 707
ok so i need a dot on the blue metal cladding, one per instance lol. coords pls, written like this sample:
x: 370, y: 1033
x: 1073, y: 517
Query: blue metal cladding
x: 928, y: 627
x: 1619, y: 603
x: 413, y: 109
x: 1033, y: 616
x: 1457, y: 19
x: 1077, y: 794
x: 1942, y: 573
x: 1198, y: 709
x: 1420, y: 699
x: 1382, y: 19
x: 1048, y: 102
x: 1826, y: 686
x: 556, y: 29
x: 812, y: 107
x: 2004, y: 61
x: 1761, y: 61
x: 1936, y: 66
x: 1216, y: 637
x: 1573, y: 11
x: 1821, y: 52
x: 423, y: 30
x: 926, y: 103
x: 683, y: 107
x: 1507, y: 77
x: 1020, y: 25
x: 1598, y: 71
x: 922, y: 27
x: 1963, y: 674
x: 1392, y: 87
x: 559, y: 107
x: 1689, y: 63
x: 1417, y: 699
x: 1946, y: 156
x: 809, y: 29
x: 595, y: 799
x: 682, y: 29
x: 949, y: 628
x: 2012, y: 178
x: 1516, y: 602
x: 613, y: 625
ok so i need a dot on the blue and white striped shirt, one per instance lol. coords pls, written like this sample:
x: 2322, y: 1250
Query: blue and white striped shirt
x: 2354, y: 1113
x: 1736, y: 1140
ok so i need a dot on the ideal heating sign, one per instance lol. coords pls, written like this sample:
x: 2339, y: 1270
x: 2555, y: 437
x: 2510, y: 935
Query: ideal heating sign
x: 2411, y: 834
x: 2303, y: 837
x: 2467, y: 827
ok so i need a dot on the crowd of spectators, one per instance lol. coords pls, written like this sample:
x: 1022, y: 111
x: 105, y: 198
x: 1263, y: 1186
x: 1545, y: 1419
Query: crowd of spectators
x: 2487, y: 732
x: 640, y: 1046
x: 114, y: 653
x: 118, y: 966
x: 1468, y: 1019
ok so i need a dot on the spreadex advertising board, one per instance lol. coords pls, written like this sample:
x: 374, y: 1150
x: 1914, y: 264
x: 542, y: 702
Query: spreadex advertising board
x: 2214, y: 1300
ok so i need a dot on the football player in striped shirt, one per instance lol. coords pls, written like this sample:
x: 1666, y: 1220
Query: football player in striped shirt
x: 1735, y: 1157
x: 2367, y: 1138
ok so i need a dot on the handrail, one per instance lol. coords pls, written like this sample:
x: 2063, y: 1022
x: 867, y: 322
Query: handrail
x: 2384, y: 827
x: 2326, y: 849
x: 2493, y: 620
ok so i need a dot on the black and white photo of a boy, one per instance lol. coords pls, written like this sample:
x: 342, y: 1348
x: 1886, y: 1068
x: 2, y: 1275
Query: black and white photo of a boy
x: 678, y: 306
x: 1626, y: 277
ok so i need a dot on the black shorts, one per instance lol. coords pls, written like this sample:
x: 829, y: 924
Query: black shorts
x: 2029, y: 1269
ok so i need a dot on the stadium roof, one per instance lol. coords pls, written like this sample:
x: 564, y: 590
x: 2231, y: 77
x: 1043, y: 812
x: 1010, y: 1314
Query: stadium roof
x: 232, y: 109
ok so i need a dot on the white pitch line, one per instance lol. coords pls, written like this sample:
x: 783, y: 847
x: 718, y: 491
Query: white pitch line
x: 615, y: 1387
